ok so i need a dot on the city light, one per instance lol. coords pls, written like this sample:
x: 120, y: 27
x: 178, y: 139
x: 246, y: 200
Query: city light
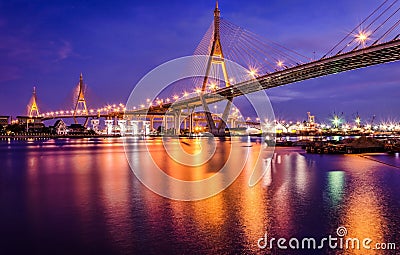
x: 358, y: 120
x: 336, y: 121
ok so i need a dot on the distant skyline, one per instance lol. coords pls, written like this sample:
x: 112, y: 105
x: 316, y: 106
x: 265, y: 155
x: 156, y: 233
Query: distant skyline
x: 47, y: 44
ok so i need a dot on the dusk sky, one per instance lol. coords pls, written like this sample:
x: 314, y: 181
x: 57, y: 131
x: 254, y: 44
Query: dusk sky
x: 47, y: 44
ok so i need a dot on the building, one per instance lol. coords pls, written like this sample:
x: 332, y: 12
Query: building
x: 76, y: 129
x: 29, y: 119
x: 4, y: 120
x: 59, y: 128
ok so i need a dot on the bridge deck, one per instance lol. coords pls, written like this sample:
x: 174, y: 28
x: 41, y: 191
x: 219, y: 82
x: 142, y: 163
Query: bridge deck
x: 373, y: 55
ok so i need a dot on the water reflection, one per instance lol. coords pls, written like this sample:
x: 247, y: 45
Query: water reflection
x: 335, y: 186
x: 81, y: 197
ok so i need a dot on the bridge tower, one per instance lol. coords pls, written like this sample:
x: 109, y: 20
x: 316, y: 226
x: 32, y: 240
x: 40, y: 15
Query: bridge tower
x: 216, y: 58
x: 81, y: 102
x: 33, y: 107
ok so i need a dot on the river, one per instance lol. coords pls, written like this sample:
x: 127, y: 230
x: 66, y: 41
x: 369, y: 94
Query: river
x: 79, y: 196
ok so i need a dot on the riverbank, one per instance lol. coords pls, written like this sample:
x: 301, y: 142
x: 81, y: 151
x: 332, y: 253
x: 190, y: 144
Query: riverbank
x: 354, y: 146
x: 47, y: 136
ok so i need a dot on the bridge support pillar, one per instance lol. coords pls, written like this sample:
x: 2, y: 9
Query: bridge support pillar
x: 165, y: 120
x: 191, y: 123
x: 225, y: 115
x: 233, y: 123
x: 210, y: 121
x: 177, y: 122
x: 151, y: 122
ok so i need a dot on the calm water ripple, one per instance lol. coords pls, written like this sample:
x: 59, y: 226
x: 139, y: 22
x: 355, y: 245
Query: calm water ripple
x: 79, y: 196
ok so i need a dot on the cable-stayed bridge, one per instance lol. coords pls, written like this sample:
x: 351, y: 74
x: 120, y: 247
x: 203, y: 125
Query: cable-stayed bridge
x: 374, y: 41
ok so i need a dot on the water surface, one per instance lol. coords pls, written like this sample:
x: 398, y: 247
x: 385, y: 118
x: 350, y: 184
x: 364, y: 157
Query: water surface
x: 79, y: 196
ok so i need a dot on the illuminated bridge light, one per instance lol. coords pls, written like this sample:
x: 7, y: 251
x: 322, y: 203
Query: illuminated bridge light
x: 280, y: 63
x: 362, y: 37
x: 212, y: 86
x: 175, y: 97
x: 252, y: 72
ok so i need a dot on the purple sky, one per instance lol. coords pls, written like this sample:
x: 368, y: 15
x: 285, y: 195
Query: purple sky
x: 47, y: 44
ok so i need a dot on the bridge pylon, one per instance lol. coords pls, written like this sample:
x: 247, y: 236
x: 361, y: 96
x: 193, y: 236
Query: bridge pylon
x: 216, y: 58
x: 80, y: 103
x: 33, y: 107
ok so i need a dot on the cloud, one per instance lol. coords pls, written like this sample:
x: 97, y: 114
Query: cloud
x: 64, y: 51
x: 19, y: 54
